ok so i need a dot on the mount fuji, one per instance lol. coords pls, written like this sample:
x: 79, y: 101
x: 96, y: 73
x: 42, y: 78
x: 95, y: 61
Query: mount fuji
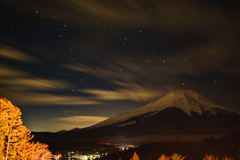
x: 179, y: 112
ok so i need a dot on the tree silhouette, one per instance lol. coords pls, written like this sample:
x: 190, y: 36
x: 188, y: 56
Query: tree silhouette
x: 15, y: 137
x: 227, y: 158
x: 163, y: 157
x: 177, y: 157
x: 210, y: 157
x: 135, y: 156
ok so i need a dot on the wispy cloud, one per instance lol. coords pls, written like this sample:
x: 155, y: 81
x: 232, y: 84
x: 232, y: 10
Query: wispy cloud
x: 93, y: 11
x: 31, y: 98
x: 23, y: 89
x: 81, y: 121
x: 8, y: 71
x: 66, y: 123
x: 135, y: 93
x: 212, y: 57
x: 216, y: 57
x: 129, y: 78
x: 14, y: 54
x: 111, y: 71
x: 180, y: 14
x: 27, y: 83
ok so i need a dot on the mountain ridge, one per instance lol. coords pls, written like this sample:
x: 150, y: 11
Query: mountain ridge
x: 187, y: 100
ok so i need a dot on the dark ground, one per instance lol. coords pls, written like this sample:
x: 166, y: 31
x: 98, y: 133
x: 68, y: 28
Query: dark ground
x: 195, y: 150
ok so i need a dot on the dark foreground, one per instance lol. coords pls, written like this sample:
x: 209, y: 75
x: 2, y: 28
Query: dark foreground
x: 191, y: 150
x: 227, y: 145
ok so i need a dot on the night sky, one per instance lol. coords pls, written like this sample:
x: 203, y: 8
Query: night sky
x: 73, y: 63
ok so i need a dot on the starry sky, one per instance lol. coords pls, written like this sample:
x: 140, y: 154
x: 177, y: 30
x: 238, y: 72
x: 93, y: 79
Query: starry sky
x: 74, y: 63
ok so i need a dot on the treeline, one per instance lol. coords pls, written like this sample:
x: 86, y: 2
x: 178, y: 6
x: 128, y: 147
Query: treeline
x: 228, y: 145
x: 176, y: 156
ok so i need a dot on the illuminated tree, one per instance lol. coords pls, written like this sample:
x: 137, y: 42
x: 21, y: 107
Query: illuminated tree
x: 41, y: 151
x: 177, y: 157
x: 135, y: 156
x: 210, y: 157
x: 13, y: 133
x: 27, y: 151
x: 35, y: 151
x: 14, y: 137
x: 163, y: 157
x: 227, y: 158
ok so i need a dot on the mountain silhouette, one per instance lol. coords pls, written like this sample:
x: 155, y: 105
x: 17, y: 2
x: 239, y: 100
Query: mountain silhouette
x: 185, y: 102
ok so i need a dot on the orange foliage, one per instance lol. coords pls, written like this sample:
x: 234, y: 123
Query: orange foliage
x: 135, y: 156
x: 227, y: 158
x: 163, y: 157
x: 14, y: 137
x: 40, y: 151
x: 176, y: 156
x: 210, y: 157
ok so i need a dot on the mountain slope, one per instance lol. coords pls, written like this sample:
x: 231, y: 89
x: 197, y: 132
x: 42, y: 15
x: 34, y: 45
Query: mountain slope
x: 187, y: 101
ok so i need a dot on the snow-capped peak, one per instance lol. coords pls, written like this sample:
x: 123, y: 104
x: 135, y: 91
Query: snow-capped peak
x: 186, y: 100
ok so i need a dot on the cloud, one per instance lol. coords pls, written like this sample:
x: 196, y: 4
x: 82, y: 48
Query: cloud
x: 66, y: 123
x: 216, y: 57
x: 213, y: 57
x: 82, y: 121
x: 112, y: 71
x: 53, y: 99
x: 33, y: 98
x: 27, y: 83
x: 14, y: 54
x: 83, y: 11
x: 129, y: 78
x: 134, y: 93
x: 151, y: 14
x: 25, y: 89
x: 7, y: 71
